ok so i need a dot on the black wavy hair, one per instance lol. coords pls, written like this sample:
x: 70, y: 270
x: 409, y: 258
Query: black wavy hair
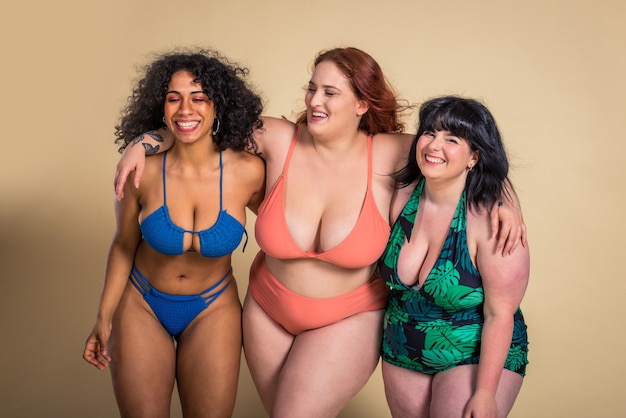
x: 472, y: 121
x: 237, y: 107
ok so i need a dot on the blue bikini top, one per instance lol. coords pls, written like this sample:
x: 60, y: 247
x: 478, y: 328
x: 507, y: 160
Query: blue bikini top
x: 167, y: 238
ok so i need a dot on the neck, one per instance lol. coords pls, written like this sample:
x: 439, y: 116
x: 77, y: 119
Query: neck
x: 197, y: 154
x: 338, y: 147
x: 444, y: 193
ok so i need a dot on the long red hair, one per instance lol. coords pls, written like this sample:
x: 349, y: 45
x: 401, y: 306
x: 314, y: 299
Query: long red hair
x: 369, y: 84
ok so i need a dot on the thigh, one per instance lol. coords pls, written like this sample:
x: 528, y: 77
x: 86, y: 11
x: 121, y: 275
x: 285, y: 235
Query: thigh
x: 327, y: 366
x: 407, y: 391
x: 453, y: 388
x: 266, y: 346
x: 208, y: 359
x: 139, y: 344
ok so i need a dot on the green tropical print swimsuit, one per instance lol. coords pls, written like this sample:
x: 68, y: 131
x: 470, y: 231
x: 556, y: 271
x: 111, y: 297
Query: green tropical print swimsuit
x: 438, y: 326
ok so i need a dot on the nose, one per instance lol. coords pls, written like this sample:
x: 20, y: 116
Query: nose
x: 185, y: 107
x: 315, y: 98
x: 436, y: 142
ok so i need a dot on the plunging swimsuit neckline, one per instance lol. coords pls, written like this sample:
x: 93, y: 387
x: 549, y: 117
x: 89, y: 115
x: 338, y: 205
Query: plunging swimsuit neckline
x: 164, y: 236
x: 361, y: 247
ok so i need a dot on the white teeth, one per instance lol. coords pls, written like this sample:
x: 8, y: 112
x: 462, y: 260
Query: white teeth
x: 187, y: 124
x: 434, y: 160
x: 319, y: 114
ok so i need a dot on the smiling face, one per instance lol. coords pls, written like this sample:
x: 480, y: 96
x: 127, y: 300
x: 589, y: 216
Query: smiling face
x: 332, y: 106
x: 442, y: 156
x: 189, y: 113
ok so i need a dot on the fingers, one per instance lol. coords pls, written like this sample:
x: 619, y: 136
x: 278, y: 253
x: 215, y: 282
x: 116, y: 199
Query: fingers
x: 524, y: 235
x: 96, y: 355
x: 512, y: 241
x: 138, y: 173
x: 118, y: 183
x: 503, y: 236
x: 494, y: 216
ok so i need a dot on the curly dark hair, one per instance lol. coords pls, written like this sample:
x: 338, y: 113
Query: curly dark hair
x: 471, y: 120
x: 237, y: 107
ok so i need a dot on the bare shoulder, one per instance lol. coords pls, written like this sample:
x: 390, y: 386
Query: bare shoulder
x: 245, y: 164
x: 396, y: 141
x: 393, y: 149
x: 398, y: 201
x: 490, y: 262
x: 153, y: 167
x: 274, y: 133
x: 479, y: 226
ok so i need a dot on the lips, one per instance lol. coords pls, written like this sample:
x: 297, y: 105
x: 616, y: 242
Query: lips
x: 434, y: 160
x: 317, y: 115
x: 187, y: 125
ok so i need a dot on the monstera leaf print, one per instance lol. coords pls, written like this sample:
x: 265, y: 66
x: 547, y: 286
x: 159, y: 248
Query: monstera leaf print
x: 394, y: 337
x: 463, y: 338
x: 468, y: 315
x: 408, y: 363
x: 432, y: 326
x: 441, y: 359
x: 517, y: 358
x: 458, y: 221
x: 389, y: 257
x: 394, y: 314
x: 460, y: 297
x: 450, y: 345
x: 440, y: 278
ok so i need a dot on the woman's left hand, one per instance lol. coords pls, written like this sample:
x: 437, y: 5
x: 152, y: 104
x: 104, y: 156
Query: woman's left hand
x: 508, y: 223
x: 481, y: 406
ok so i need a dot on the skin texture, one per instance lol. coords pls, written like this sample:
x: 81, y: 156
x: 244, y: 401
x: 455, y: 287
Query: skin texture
x: 316, y: 373
x: 127, y: 336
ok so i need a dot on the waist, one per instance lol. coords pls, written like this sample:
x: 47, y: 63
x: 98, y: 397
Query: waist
x: 185, y: 274
x: 314, y: 278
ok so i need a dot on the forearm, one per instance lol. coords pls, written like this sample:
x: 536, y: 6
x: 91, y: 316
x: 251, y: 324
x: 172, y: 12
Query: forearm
x: 153, y: 142
x: 118, y: 267
x: 495, y: 343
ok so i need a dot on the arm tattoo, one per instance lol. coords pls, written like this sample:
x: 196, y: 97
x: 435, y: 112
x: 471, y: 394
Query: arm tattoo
x: 137, y: 140
x: 156, y: 136
x: 150, y: 149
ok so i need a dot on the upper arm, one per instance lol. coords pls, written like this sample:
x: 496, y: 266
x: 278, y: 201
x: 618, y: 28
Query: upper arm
x: 398, y: 201
x: 274, y: 132
x: 127, y: 231
x: 504, y: 278
x: 257, y: 173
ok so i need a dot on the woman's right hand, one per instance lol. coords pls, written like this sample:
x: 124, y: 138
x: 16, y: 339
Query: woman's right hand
x: 96, y: 350
x: 133, y: 159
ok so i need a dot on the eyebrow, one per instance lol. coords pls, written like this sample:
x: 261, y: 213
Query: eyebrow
x: 324, y: 86
x: 193, y: 92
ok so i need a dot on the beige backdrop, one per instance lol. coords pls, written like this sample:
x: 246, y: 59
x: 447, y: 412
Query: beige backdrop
x: 552, y: 72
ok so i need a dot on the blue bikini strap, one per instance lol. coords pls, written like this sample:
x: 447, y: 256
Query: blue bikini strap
x: 220, y: 181
x: 164, y: 195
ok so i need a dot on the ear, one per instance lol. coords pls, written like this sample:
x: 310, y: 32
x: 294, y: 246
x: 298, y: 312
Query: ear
x: 362, y: 107
x: 474, y: 159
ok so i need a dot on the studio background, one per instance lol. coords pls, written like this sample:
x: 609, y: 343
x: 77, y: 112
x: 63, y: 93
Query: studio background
x: 551, y: 71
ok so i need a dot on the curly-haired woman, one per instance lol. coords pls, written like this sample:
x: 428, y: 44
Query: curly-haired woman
x: 169, y: 311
